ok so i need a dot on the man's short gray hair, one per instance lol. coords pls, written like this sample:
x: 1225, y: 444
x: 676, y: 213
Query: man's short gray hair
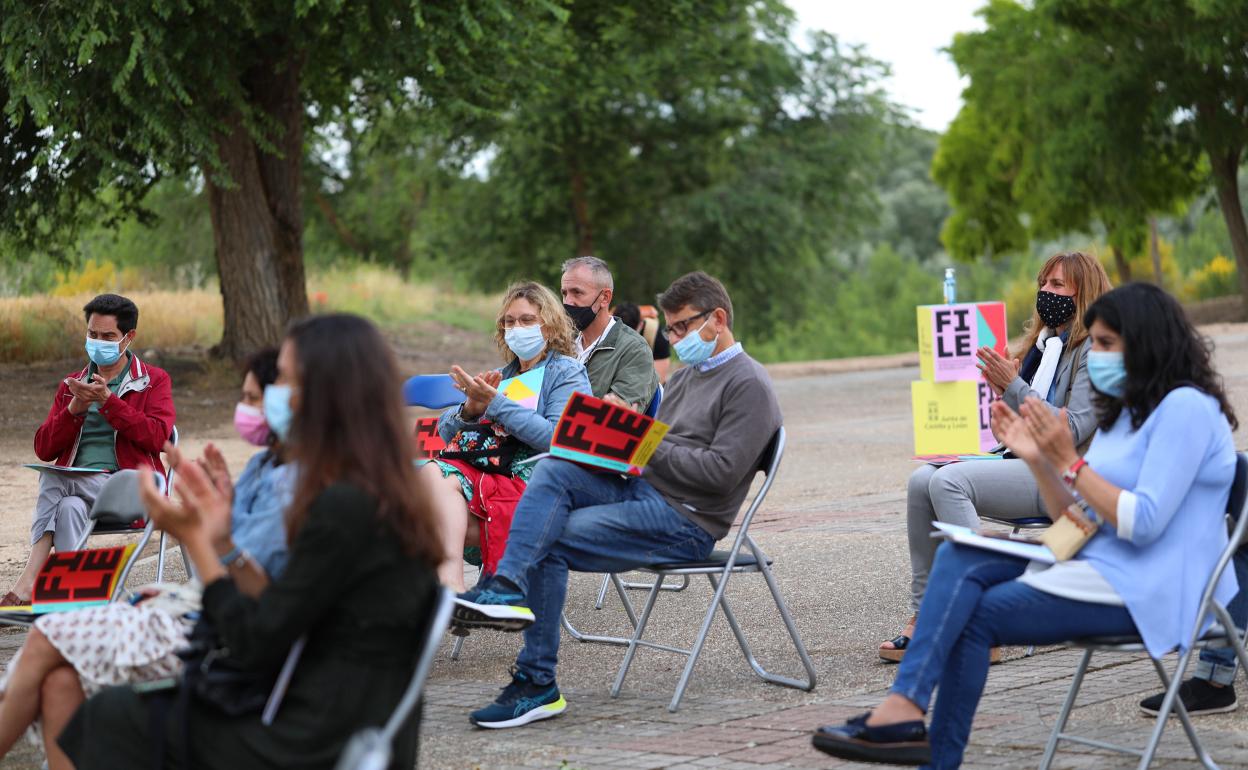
x: 598, y: 268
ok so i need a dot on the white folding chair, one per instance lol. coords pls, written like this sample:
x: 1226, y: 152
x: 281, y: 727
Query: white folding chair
x: 745, y: 556
x: 369, y: 749
x: 1222, y: 634
x: 122, y: 513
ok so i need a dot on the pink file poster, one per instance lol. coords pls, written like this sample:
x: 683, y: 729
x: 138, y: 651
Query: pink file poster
x: 957, y: 331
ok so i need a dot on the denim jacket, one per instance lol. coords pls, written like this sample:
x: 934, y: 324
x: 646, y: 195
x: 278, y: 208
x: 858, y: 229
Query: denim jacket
x: 534, y: 427
x: 257, y: 518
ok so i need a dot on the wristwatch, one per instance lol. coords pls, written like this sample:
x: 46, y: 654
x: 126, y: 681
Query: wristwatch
x: 1072, y: 473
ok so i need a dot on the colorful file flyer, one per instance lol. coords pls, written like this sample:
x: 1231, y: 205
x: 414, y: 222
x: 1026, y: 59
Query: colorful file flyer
x: 598, y: 433
x: 949, y: 335
x: 429, y: 442
x: 71, y: 580
x: 523, y: 388
x: 946, y: 417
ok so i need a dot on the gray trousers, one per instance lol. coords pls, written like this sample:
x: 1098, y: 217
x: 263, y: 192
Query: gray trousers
x: 64, y: 506
x: 1003, y: 489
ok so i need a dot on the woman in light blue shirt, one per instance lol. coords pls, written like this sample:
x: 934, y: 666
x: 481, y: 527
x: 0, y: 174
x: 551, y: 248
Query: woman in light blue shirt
x: 1154, y: 484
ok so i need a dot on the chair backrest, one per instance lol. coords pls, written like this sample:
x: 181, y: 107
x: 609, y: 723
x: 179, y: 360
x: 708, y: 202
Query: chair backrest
x: 768, y: 464
x: 118, y: 501
x: 432, y: 391
x: 171, y: 472
x: 652, y: 411
x: 1238, y: 498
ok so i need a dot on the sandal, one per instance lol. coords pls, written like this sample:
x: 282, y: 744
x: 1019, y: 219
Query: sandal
x: 13, y: 600
x: 897, y: 651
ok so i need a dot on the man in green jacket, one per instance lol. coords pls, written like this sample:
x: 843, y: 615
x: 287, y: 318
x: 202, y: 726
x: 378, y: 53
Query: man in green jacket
x: 617, y: 358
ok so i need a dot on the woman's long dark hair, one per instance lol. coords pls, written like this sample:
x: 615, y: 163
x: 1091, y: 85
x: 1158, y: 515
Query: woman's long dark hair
x: 350, y: 427
x: 1161, y: 351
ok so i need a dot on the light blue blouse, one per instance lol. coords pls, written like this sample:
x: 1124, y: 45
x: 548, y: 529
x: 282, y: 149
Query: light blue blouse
x: 1178, y: 467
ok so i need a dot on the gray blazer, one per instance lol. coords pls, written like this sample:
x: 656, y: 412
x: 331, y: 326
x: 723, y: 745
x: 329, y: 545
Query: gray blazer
x: 1072, y: 389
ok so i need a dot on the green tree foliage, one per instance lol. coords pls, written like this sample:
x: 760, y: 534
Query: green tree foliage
x: 676, y: 135
x: 99, y: 95
x: 1048, y: 140
x: 1192, y: 61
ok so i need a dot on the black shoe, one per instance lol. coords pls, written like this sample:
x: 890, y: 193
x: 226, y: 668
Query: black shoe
x: 904, y: 743
x: 1199, y: 697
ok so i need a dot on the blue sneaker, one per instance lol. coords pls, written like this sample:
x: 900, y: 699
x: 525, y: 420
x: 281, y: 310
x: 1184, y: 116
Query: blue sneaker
x: 521, y: 702
x: 493, y: 603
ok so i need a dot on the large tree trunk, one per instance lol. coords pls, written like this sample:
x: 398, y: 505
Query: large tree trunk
x: 1154, y: 251
x: 1121, y: 265
x: 257, y: 220
x: 581, y: 225
x: 1225, y: 167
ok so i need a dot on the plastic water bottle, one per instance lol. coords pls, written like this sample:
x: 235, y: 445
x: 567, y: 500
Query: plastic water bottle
x: 951, y: 287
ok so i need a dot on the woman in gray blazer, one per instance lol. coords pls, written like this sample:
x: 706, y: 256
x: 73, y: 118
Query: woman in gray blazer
x: 1052, y: 366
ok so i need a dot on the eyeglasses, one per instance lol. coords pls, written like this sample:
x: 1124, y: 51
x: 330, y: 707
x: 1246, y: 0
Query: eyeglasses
x: 524, y: 320
x: 681, y: 327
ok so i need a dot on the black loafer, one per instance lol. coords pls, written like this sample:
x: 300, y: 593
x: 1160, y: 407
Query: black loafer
x: 904, y: 743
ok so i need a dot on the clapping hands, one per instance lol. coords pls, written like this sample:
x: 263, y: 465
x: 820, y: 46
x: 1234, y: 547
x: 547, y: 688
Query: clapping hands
x: 479, y: 390
x: 1034, y: 433
x: 202, y: 511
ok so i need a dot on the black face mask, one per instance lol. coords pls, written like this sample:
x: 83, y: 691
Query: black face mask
x: 1054, y: 309
x: 581, y: 317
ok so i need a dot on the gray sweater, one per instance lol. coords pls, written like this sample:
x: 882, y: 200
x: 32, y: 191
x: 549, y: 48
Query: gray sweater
x: 721, y: 421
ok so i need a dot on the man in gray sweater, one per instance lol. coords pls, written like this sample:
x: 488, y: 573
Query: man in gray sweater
x: 722, y: 412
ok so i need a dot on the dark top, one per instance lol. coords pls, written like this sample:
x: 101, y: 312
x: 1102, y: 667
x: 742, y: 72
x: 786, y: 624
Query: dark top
x: 661, y: 347
x: 361, y: 602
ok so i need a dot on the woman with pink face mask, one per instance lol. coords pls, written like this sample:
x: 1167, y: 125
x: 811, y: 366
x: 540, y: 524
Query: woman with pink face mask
x: 69, y: 656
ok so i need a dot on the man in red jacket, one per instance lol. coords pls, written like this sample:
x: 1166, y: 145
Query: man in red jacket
x: 116, y: 413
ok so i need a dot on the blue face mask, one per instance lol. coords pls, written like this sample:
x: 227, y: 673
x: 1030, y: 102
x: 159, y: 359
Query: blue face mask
x: 1107, y: 372
x: 277, y: 412
x: 525, y: 341
x: 103, y: 352
x: 692, y: 349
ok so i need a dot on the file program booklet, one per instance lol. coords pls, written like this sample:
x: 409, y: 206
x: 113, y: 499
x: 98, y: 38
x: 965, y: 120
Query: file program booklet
x: 1012, y: 546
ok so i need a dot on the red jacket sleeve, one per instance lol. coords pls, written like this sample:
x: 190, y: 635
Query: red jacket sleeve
x: 148, y: 429
x: 60, y: 429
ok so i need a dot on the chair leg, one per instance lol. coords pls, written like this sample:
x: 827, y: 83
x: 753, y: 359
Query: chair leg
x: 134, y: 559
x: 790, y: 626
x: 632, y: 643
x: 1172, y: 701
x: 160, y: 559
x: 698, y: 643
x: 1063, y: 716
x: 455, y: 648
x: 602, y: 592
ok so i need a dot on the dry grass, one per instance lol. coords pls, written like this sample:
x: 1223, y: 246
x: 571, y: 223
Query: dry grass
x: 46, y: 327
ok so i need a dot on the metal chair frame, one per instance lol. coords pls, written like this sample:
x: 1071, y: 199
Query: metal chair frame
x: 147, y: 532
x: 369, y: 749
x: 751, y: 559
x: 1223, y: 634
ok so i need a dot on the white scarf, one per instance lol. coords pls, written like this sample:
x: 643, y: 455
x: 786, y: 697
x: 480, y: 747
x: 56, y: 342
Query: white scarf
x: 1050, y: 344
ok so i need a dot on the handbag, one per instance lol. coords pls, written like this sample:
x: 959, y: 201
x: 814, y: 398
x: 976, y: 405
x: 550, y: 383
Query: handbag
x: 1067, y: 536
x: 210, y: 676
x: 484, y: 446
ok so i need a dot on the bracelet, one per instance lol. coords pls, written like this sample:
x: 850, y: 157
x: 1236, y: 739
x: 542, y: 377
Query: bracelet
x: 1071, y: 474
x: 235, y: 554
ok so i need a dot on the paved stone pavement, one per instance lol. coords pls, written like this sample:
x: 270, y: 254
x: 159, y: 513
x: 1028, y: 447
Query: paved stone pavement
x: 834, y: 526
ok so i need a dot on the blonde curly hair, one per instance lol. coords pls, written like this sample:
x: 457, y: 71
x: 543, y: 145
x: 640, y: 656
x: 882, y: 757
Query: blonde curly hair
x: 556, y: 326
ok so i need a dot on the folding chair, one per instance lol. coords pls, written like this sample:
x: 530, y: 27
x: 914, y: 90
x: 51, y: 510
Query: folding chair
x: 369, y: 749
x: 121, y: 514
x: 1223, y: 633
x: 718, y: 568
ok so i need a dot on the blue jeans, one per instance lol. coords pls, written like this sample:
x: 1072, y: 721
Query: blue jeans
x: 573, y: 518
x: 973, y: 603
x: 1217, y: 664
